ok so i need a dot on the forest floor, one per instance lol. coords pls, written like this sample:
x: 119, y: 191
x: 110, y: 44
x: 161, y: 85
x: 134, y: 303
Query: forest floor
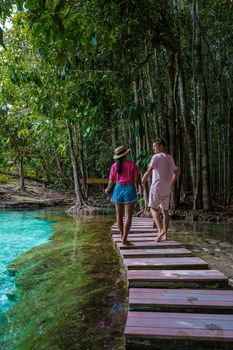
x: 218, y: 214
x: 34, y: 196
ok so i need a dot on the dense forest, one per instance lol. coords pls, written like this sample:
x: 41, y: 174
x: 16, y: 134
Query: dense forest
x: 80, y: 77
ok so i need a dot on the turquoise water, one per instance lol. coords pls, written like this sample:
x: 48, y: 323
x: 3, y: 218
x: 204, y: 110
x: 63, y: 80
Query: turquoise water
x: 19, y: 231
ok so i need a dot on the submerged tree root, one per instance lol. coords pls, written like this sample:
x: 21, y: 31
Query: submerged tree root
x: 85, y: 209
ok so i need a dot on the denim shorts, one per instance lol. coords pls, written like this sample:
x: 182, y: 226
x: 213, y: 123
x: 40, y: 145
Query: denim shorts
x: 124, y: 194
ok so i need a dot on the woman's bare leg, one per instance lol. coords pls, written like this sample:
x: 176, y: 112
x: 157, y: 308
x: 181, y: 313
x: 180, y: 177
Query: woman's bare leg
x: 119, y: 217
x: 128, y: 221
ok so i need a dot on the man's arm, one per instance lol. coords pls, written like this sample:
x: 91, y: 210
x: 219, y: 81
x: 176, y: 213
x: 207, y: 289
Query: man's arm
x: 146, y: 175
x: 176, y: 175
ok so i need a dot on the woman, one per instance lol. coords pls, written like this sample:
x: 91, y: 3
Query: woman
x: 125, y: 174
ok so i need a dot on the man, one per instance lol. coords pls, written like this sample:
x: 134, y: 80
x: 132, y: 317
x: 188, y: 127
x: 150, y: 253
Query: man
x: 164, y: 174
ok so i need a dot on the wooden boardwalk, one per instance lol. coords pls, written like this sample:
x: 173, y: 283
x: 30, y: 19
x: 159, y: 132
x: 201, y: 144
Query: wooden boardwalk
x: 175, y: 300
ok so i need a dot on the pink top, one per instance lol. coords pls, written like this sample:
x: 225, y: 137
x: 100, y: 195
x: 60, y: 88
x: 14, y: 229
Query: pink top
x: 162, y: 174
x: 127, y: 175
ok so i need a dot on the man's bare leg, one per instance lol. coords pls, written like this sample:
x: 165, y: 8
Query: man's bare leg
x: 119, y: 217
x: 128, y: 221
x: 165, y: 224
x: 156, y: 218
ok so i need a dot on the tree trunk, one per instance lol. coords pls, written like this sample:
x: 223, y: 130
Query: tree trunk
x: 138, y: 124
x: 82, y: 161
x: 172, y: 115
x: 230, y: 148
x: 202, y: 99
x: 61, y: 171
x: 145, y: 119
x: 188, y: 127
x: 21, y: 174
x: 153, y: 115
x: 77, y: 185
x: 114, y: 131
x: 202, y: 107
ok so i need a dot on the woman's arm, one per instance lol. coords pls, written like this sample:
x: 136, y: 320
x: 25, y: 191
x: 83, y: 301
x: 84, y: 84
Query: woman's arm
x: 108, y: 188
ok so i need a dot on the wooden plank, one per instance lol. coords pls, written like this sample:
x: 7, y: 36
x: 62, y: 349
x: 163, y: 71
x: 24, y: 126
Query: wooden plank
x: 140, y: 221
x: 95, y: 181
x: 138, y: 224
x: 214, y: 327
x: 135, y: 235
x: 166, y: 263
x: 142, y: 230
x: 177, y: 279
x: 169, y: 252
x: 137, y: 239
x: 149, y: 245
x: 181, y: 299
x: 147, y: 227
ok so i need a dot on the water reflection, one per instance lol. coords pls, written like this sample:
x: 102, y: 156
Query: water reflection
x: 219, y: 231
x: 211, y: 241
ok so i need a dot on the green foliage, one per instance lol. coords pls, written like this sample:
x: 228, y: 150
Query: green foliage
x: 4, y: 179
x: 103, y: 66
x: 143, y: 160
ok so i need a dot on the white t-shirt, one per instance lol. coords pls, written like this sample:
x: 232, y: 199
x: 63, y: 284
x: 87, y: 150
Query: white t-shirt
x: 162, y: 174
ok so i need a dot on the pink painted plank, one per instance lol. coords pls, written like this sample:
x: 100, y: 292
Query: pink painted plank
x: 177, y: 278
x: 149, y: 245
x: 135, y: 235
x: 139, y: 223
x: 132, y: 253
x: 204, y: 294
x: 179, y: 334
x: 140, y: 219
x: 179, y: 325
x: 139, y: 229
x: 137, y: 239
x: 114, y: 227
x: 156, y: 317
x: 165, y: 263
x: 181, y: 297
x: 167, y: 275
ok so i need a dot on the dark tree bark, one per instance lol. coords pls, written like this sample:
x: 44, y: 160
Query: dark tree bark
x: 21, y: 174
x: 172, y: 115
x: 78, y: 191
x: 202, y: 110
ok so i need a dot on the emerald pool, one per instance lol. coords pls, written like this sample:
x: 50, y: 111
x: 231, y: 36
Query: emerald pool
x: 19, y: 231
x: 66, y: 280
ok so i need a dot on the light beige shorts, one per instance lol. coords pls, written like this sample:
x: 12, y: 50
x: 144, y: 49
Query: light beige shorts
x: 157, y: 202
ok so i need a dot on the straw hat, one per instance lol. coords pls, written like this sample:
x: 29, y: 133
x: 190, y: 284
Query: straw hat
x: 120, y: 152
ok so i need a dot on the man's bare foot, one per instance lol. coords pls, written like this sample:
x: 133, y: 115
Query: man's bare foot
x: 161, y: 236
x: 127, y: 243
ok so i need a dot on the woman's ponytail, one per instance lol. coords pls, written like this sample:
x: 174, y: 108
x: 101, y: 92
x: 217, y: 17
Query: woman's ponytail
x: 119, y: 165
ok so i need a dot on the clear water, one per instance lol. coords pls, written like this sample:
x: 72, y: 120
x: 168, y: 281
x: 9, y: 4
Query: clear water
x: 19, y: 231
x: 74, y: 295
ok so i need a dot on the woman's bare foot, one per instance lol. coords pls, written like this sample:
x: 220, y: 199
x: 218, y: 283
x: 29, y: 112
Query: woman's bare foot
x: 127, y: 243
